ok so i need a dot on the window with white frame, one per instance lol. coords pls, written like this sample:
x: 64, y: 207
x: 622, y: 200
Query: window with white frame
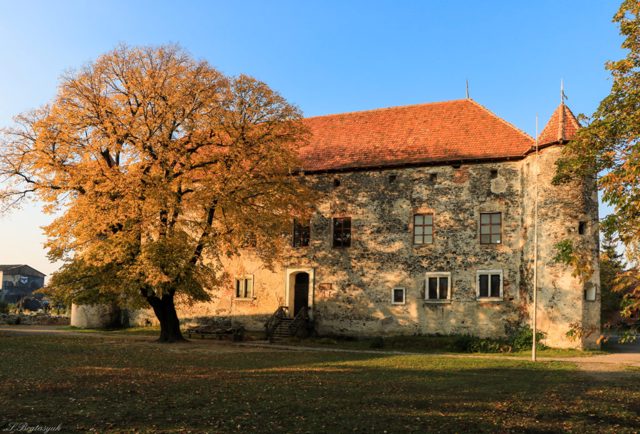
x: 489, y: 284
x: 398, y: 296
x: 437, y: 286
x: 244, y: 287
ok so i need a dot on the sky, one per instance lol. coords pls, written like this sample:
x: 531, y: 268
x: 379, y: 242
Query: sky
x: 323, y: 56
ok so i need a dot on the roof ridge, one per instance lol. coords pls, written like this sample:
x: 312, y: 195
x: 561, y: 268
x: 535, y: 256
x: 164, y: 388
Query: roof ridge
x: 573, y: 117
x: 509, y: 124
x: 561, y: 123
x: 388, y: 108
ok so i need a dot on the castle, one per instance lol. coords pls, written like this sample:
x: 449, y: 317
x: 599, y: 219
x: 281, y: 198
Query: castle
x: 426, y: 226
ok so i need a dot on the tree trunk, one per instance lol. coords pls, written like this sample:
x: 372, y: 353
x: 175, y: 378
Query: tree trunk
x: 165, y: 311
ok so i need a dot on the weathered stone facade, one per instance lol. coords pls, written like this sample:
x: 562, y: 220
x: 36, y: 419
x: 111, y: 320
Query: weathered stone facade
x: 454, y: 160
x: 350, y: 288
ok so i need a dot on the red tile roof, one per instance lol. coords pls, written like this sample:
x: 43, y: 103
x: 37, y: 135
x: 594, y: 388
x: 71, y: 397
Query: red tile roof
x: 427, y: 133
x: 562, y: 126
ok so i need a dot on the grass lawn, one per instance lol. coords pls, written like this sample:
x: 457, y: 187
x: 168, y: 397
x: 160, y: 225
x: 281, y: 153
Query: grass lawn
x: 111, y: 384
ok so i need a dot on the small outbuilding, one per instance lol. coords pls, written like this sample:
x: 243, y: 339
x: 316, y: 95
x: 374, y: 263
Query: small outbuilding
x: 18, y: 281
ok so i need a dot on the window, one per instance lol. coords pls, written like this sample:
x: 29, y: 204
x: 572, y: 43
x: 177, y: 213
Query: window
x: 437, y: 286
x: 301, y: 233
x: 590, y: 293
x: 336, y: 182
x: 489, y: 284
x: 244, y: 287
x: 423, y: 229
x: 433, y: 178
x: 392, y: 178
x: 342, y: 232
x: 490, y: 228
x: 494, y: 173
x: 582, y: 227
x: 398, y: 296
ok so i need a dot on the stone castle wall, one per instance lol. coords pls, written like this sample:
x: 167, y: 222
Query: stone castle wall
x: 561, y: 295
x: 351, y: 287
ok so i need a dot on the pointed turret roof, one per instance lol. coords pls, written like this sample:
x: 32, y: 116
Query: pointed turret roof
x: 562, y: 127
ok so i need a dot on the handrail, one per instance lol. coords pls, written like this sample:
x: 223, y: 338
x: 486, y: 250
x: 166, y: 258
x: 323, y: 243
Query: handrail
x: 275, y: 319
x: 301, y: 320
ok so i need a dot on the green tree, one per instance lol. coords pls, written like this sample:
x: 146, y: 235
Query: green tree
x: 609, y: 146
x: 158, y: 167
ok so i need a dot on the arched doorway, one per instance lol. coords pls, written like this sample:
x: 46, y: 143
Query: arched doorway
x: 300, y: 292
x: 298, y: 282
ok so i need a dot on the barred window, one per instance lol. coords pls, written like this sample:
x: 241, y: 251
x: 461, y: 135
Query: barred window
x: 342, y: 232
x: 491, y: 228
x: 301, y: 233
x: 423, y: 229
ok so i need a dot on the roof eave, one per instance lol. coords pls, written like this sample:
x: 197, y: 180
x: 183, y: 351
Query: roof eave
x: 405, y: 165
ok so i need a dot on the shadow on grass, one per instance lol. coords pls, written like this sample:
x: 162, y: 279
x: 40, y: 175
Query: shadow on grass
x: 108, y: 385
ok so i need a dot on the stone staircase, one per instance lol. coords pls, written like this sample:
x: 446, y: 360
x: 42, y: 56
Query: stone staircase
x: 281, y: 326
x: 282, y: 330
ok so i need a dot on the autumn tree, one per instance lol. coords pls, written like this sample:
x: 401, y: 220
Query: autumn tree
x: 157, y: 167
x: 609, y: 146
x: 612, y: 268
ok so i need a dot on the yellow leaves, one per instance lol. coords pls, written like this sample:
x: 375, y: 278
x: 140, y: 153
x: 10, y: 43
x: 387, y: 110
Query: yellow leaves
x: 573, y: 256
x: 148, y: 115
x: 158, y: 164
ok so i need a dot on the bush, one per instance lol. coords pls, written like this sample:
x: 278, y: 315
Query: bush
x: 377, y: 343
x: 4, y: 307
x: 474, y: 344
x: 463, y: 343
x: 521, y: 338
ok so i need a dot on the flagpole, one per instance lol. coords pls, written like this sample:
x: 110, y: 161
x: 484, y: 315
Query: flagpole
x: 534, y: 325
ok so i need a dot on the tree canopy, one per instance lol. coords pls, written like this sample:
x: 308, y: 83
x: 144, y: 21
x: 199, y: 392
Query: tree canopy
x: 157, y: 166
x: 609, y: 146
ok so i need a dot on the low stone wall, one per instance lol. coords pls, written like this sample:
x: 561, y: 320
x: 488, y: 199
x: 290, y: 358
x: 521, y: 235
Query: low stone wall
x: 33, y: 319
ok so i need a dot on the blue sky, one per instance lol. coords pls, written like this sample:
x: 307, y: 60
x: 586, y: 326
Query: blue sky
x: 324, y: 56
